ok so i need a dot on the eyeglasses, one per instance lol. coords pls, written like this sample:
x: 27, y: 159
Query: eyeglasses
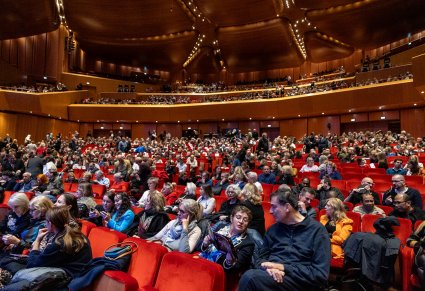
x: 398, y: 202
x: 240, y: 217
x: 397, y: 181
x: 182, y: 211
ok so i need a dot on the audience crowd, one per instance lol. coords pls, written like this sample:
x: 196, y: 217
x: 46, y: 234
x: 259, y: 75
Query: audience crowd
x: 187, y: 194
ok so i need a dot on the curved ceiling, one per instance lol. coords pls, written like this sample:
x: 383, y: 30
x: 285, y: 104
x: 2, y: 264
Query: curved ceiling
x: 249, y: 35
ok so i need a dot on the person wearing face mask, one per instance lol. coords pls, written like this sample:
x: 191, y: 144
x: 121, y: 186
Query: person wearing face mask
x: 368, y: 206
x: 107, y: 206
x: 182, y: 234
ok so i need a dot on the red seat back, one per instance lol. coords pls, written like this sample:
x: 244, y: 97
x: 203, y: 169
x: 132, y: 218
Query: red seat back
x: 146, y: 261
x: 183, y: 271
x: 268, y: 217
x: 101, y: 238
x: 86, y: 226
x: 367, y: 222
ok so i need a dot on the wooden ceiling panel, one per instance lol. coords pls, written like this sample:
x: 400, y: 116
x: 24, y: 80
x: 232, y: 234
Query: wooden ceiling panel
x: 21, y: 18
x: 126, y: 18
x: 314, y: 4
x: 265, y: 45
x: 321, y: 48
x: 205, y: 63
x: 162, y: 53
x: 236, y: 12
x: 369, y: 24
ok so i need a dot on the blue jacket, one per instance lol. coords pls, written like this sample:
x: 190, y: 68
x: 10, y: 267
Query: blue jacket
x: 26, y: 186
x: 123, y: 222
x: 267, y: 179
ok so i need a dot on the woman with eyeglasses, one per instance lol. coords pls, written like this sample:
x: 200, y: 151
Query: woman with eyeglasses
x: 37, y: 209
x: 182, y: 234
x: 234, y: 254
x: 18, y: 218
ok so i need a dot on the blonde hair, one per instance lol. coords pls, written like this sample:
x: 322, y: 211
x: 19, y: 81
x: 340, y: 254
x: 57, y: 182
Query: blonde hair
x: 251, y: 193
x: 339, y: 210
x: 157, y: 200
x: 42, y: 204
x: 193, y: 208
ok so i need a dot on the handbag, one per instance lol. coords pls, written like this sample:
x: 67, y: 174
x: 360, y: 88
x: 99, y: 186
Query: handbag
x: 119, y: 250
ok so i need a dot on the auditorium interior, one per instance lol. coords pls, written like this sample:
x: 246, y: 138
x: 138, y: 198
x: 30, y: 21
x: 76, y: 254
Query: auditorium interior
x: 209, y: 67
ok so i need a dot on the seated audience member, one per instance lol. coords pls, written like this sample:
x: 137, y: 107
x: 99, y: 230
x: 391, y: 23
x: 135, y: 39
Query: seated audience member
x: 239, y: 181
x: 414, y: 167
x: 274, y: 168
x: 286, y: 176
x: 37, y: 208
x: 85, y: 200
x: 331, y: 172
x: 305, y: 197
x: 309, y: 166
x: 207, y: 200
x: 169, y: 194
x: 7, y: 182
x: 152, y: 219
x: 403, y: 208
x: 338, y: 225
x: 368, y: 206
x: 119, y: 185
x: 69, y: 201
x: 18, y: 218
x: 397, y: 169
x: 399, y: 186
x: 267, y: 177
x: 295, y: 254
x: 221, y: 184
x: 101, y: 179
x: 236, y: 259
x: 417, y: 242
x: 366, y: 186
x: 152, y: 183
x: 305, y: 182
x: 40, y: 184
x: 182, y: 234
x: 181, y: 166
x: 189, y: 193
x: 252, y: 200
x: 325, y: 187
x: 252, y: 178
x: 86, y: 178
x: 70, y: 178
x: 26, y: 185
x: 58, y: 246
x: 122, y: 217
x: 122, y: 166
x: 232, y: 192
x: 107, y: 206
x: 55, y: 185
x: 205, y: 179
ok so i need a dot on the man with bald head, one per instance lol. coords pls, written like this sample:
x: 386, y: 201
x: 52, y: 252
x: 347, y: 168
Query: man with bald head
x: 366, y: 186
x: 400, y: 187
x: 26, y: 184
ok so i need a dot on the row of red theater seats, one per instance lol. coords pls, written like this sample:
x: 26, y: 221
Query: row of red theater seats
x: 152, y: 267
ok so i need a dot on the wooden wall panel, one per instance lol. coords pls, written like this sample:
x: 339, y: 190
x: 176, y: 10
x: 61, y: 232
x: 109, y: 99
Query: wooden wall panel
x: 358, y: 117
x: 293, y: 127
x: 389, y: 115
x: 319, y: 125
x: 174, y: 129
x: 413, y: 121
x: 137, y: 130
x: 86, y: 128
x: 207, y: 128
x: 246, y: 126
x: 8, y: 126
